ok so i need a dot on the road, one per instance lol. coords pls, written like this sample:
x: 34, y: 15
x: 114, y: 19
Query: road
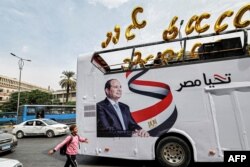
x: 32, y: 152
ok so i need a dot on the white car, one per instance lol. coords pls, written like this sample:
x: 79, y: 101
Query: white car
x: 6, y: 162
x: 36, y: 127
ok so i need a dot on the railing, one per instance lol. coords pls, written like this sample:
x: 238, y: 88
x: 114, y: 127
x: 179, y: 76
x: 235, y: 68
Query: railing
x: 183, y: 55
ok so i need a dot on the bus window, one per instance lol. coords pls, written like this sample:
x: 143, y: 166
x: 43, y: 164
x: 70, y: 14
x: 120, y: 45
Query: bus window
x: 31, y: 111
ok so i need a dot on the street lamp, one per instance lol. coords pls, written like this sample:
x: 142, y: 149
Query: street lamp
x: 20, y: 64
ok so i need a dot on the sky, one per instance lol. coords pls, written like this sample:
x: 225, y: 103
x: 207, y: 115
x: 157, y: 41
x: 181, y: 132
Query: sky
x: 53, y: 33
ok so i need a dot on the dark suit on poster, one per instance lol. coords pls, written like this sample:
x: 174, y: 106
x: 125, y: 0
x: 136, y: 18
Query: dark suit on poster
x: 108, y: 123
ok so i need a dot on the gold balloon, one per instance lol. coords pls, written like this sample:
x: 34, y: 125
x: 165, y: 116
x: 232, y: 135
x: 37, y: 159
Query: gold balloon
x: 126, y: 64
x: 148, y: 58
x: 109, y: 36
x: 172, y: 31
x: 237, y: 20
x: 193, y: 54
x: 117, y: 30
x: 180, y: 55
x: 137, y: 55
x: 167, y: 55
x: 104, y: 45
x: 127, y: 60
x: 189, y: 28
x: 217, y: 26
x: 128, y: 35
x: 198, y: 27
x: 134, y: 18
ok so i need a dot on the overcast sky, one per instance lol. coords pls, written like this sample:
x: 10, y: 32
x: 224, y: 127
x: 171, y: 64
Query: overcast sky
x: 53, y: 33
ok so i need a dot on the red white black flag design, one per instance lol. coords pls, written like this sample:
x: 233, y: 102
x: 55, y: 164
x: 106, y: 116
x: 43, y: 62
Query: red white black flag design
x: 159, y: 117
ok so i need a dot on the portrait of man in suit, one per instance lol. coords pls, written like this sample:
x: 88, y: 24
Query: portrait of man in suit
x: 113, y: 117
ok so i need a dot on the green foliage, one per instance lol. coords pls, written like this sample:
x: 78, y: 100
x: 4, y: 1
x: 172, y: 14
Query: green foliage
x: 71, y: 103
x: 33, y: 97
x: 68, y: 82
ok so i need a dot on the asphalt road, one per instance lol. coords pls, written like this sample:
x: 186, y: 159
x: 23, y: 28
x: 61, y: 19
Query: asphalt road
x: 33, y: 152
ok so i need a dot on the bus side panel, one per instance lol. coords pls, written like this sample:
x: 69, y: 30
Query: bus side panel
x: 201, y: 120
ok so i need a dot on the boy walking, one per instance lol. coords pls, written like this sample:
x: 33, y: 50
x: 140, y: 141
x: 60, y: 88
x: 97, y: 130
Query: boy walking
x: 72, y: 147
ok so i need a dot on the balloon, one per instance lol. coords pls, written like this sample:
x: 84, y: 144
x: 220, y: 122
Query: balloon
x: 117, y: 30
x: 127, y: 60
x: 198, y: 27
x: 126, y: 64
x: 180, y: 55
x: 137, y: 54
x: 189, y: 28
x: 167, y: 55
x: 193, y: 54
x: 148, y: 58
x: 104, y: 45
x: 217, y: 26
x: 237, y: 20
x: 127, y: 33
x: 172, y: 30
x: 134, y: 19
x: 109, y: 36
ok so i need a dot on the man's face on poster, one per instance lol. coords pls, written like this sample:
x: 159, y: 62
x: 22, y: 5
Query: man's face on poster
x: 115, y: 91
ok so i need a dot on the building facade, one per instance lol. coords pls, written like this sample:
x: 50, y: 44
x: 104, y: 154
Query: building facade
x: 10, y: 85
x: 61, y: 96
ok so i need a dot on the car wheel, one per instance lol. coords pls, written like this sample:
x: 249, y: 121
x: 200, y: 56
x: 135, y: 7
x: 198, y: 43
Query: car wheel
x: 173, y: 152
x: 50, y: 133
x: 19, y: 134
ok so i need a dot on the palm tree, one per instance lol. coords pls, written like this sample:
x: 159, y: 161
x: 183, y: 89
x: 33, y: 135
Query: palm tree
x: 68, y: 82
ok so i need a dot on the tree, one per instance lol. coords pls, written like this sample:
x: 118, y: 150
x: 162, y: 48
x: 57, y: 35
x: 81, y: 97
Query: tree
x: 33, y: 97
x: 68, y: 82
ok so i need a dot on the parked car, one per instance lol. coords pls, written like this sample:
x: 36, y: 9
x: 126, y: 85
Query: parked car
x: 6, y: 162
x: 8, y: 142
x: 36, y: 127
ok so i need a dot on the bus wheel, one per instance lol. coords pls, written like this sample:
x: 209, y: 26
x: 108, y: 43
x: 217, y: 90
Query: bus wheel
x: 19, y: 134
x: 50, y: 133
x: 172, y: 152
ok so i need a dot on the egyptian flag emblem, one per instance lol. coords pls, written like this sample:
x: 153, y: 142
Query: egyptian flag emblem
x: 159, y: 117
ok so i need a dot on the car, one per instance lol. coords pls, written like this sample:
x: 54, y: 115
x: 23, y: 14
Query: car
x: 35, y: 127
x: 8, y: 142
x: 6, y: 162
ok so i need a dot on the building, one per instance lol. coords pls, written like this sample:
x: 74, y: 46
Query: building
x: 61, y: 95
x: 9, y: 85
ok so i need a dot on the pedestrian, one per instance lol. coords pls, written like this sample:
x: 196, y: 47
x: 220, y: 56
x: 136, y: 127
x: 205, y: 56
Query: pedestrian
x: 72, y: 146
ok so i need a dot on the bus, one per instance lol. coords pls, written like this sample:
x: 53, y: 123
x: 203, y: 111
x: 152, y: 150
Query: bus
x: 60, y: 113
x: 7, y: 118
x: 195, y: 106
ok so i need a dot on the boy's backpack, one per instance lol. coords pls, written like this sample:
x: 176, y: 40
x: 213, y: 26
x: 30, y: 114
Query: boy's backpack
x: 63, y: 149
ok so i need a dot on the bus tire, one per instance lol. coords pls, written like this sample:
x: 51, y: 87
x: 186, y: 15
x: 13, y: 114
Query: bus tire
x: 50, y: 133
x: 19, y: 134
x: 173, y: 152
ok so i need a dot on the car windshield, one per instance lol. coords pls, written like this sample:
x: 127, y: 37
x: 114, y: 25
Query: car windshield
x: 50, y: 122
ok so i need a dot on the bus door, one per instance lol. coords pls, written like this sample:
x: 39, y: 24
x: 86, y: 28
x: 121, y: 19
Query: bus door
x: 40, y: 112
x: 230, y: 110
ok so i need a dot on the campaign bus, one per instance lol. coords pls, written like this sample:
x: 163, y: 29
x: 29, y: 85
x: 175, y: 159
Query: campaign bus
x: 60, y: 113
x: 175, y: 107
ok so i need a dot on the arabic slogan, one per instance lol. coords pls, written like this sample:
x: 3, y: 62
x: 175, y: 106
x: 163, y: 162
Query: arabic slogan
x: 218, y: 79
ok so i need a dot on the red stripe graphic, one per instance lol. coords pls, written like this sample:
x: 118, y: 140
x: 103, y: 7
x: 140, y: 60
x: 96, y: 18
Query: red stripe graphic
x: 150, y: 83
x: 152, y: 111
